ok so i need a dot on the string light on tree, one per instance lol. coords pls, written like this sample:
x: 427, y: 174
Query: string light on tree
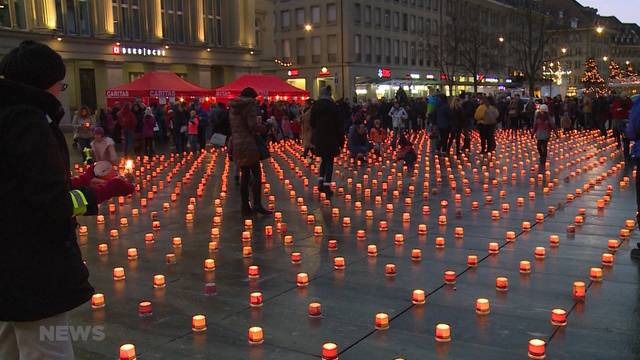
x: 630, y: 74
x: 615, y: 73
x: 592, y: 80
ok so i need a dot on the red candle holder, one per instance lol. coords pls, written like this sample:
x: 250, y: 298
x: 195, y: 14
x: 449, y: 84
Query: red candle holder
x: 607, y: 259
x: 418, y: 297
x: 382, y: 321
x: 579, y: 290
x: 502, y: 283
x: 482, y: 306
x: 198, y: 323
x: 558, y: 317
x: 329, y: 351
x: 97, y: 301
x: 302, y: 280
x: 390, y: 270
x: 416, y: 254
x: 338, y: 263
x: 539, y: 252
x: 372, y: 250
x: 145, y: 309
x: 443, y: 333
x: 536, y: 349
x: 595, y: 274
x: 255, y: 299
x: 315, y: 310
x: 472, y: 260
x: 450, y: 277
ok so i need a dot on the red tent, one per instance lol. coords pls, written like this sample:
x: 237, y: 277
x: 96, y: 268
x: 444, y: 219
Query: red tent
x: 157, y: 84
x: 269, y: 86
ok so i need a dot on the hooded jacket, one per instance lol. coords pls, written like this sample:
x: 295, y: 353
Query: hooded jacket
x: 244, y: 128
x: 41, y: 268
x: 328, y: 133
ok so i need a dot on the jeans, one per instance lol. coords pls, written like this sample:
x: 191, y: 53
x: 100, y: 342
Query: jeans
x: 27, y: 340
x: 325, y: 172
x: 193, y: 142
x: 247, y: 174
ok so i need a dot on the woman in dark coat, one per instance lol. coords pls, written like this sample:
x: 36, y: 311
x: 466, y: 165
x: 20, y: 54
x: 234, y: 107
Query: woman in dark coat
x: 327, y: 136
x: 245, y: 128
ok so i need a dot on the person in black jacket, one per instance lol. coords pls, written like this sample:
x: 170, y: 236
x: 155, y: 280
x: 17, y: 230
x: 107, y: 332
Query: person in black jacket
x: 458, y: 123
x: 327, y: 136
x: 42, y: 275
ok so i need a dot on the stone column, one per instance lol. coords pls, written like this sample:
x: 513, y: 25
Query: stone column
x: 249, y: 16
x: 234, y: 22
x: 154, y: 20
x: 197, y: 21
x: 44, y: 15
x: 104, y: 19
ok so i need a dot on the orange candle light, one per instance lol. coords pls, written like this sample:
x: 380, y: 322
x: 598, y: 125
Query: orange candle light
x: 502, y: 283
x: 332, y: 244
x: 209, y: 265
x: 132, y: 253
x: 317, y: 230
x: 459, y: 232
x: 607, y: 259
x: 176, y: 242
x: 247, y: 251
x: 127, y: 352
x: 302, y: 279
x: 390, y: 270
x: 83, y: 230
x: 494, y: 248
x: 450, y: 277
x: 416, y: 254
x: 329, y: 351
x: 482, y: 306
x: 170, y: 259
x: 422, y: 229
x: 97, y: 301
x: 118, y: 273
x: 579, y: 290
x: 442, y: 220
x: 346, y: 221
x: 338, y: 263
x: 253, y: 272
x: 539, y: 252
x: 554, y: 240
x: 361, y: 234
x: 296, y: 257
x: 439, y: 242
x: 100, y: 219
x: 536, y: 349
x: 443, y: 333
x: 418, y: 297
x: 198, y: 323
x: 145, y: 309
x: 472, y: 260
x: 595, y: 274
x: 558, y: 317
x: 103, y: 249
x: 255, y: 299
x: 383, y: 225
x: 113, y: 234
x: 315, y: 310
x: 510, y: 236
x: 525, y: 267
x: 613, y: 244
x: 526, y: 226
x: 382, y: 321
x: 159, y: 281
x: 372, y: 250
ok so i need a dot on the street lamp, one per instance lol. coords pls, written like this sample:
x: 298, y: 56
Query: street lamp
x: 600, y: 29
x: 308, y: 27
x: 627, y: 62
x: 605, y: 58
x: 501, y: 39
x: 564, y: 50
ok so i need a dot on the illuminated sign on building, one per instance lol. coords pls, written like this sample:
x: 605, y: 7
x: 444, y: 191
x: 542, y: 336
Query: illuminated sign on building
x: 384, y: 73
x: 142, y: 51
x: 324, y: 71
x: 293, y: 72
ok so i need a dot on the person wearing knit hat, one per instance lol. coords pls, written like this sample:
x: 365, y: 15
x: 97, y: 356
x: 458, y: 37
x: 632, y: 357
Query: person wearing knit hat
x: 43, y: 276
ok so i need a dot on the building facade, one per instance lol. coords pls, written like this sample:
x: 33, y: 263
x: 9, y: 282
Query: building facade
x: 105, y: 43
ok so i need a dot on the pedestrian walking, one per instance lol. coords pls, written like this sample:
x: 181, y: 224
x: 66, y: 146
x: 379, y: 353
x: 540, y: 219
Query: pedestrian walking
x: 306, y: 128
x: 458, y: 123
x: 327, y: 137
x: 42, y: 273
x: 398, y: 115
x: 542, y: 127
x: 148, y: 125
x: 192, y: 131
x: 248, y: 149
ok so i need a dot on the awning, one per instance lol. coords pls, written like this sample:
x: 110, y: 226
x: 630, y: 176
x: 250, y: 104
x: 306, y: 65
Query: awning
x: 160, y: 84
x: 264, y: 85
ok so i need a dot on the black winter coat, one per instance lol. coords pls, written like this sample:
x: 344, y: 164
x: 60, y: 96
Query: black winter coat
x: 327, y: 129
x: 41, y: 268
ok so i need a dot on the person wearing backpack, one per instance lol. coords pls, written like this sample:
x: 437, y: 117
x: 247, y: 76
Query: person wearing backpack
x: 487, y: 116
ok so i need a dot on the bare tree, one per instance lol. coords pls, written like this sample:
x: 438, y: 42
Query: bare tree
x: 529, y: 39
x: 477, y: 58
x: 450, y: 42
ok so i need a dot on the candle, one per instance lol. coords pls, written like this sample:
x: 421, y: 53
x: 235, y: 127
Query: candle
x: 198, y: 323
x: 256, y: 335
x: 439, y: 242
x: 472, y: 260
x: 450, y: 277
x: 332, y: 244
x: 398, y: 239
x: 613, y: 244
x: 338, y: 263
x: 311, y: 219
x: 112, y: 208
x: 494, y: 248
x: 155, y: 225
x: 416, y: 254
x: 526, y: 226
x: 170, y: 259
x: 595, y: 274
x: 418, y: 297
x: 209, y: 265
x: 317, y: 230
x: 97, y: 301
x: 158, y: 281
x: 525, y: 267
x: 539, y: 217
x: 247, y: 251
x: 579, y: 290
x: 443, y: 333
x: 607, y: 259
x: 475, y: 205
x: 372, y: 250
x: 390, y: 270
x: 100, y: 219
x: 329, y: 351
x: 502, y: 283
x: 82, y: 230
x: 442, y: 220
x: 149, y: 237
x: 630, y: 224
x: 383, y: 226
x: 558, y: 317
x: 422, y: 229
x: 382, y: 321
x: 118, y: 273
x: 361, y: 234
x: 315, y: 310
x: 145, y: 309
x: 255, y: 299
x: 368, y: 214
x: 482, y: 306
x: 103, y: 249
x: 127, y: 352
x: 539, y: 252
x: 210, y: 289
x: 176, y: 242
x: 510, y: 236
x: 253, y: 272
x: 132, y: 253
x: 113, y: 234
x: 554, y: 240
x: 536, y: 349
x: 495, y: 215
x: 624, y: 233
x: 459, y: 232
x: 302, y: 279
x: 296, y: 257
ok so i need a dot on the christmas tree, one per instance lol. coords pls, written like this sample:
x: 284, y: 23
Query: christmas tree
x: 630, y: 74
x: 592, y: 80
x: 615, y: 73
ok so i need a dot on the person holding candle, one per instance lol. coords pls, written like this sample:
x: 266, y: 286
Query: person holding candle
x: 327, y: 136
x: 246, y: 133
x: 42, y: 275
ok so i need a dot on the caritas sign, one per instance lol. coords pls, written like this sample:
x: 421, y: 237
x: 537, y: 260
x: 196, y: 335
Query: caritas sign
x: 162, y: 93
x: 117, y: 93
x: 143, y: 51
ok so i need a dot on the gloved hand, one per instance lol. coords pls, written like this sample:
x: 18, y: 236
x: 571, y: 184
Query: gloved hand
x: 112, y: 188
x: 84, y: 179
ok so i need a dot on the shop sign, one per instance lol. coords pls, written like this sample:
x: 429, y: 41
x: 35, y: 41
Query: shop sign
x: 384, y: 73
x: 162, y: 93
x: 430, y: 77
x: 414, y: 76
x: 293, y: 72
x: 142, y: 51
x: 324, y: 71
x: 117, y: 93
